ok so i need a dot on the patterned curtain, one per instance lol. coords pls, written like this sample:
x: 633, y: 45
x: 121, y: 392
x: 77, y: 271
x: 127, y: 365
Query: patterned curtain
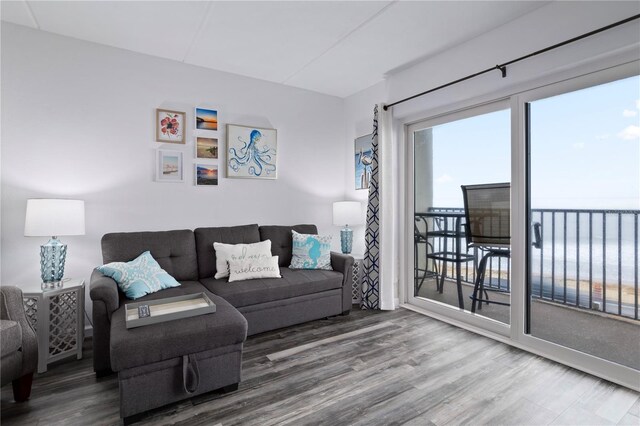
x: 371, y: 278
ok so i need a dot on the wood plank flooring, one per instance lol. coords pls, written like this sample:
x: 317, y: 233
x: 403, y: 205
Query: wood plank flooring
x: 368, y: 368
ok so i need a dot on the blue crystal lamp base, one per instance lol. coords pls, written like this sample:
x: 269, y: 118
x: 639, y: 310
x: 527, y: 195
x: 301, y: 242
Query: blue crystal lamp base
x: 346, y: 240
x: 52, y: 257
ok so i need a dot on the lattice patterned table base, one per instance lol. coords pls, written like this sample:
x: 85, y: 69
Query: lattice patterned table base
x: 356, y: 287
x: 31, y: 309
x: 63, y: 323
x: 57, y: 315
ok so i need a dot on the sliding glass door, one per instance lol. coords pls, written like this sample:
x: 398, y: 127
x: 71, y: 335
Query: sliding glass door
x: 570, y: 152
x: 465, y: 148
x: 584, y: 203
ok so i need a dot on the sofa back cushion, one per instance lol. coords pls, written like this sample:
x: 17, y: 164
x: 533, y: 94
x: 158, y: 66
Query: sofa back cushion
x: 205, y: 237
x: 175, y: 251
x: 282, y: 239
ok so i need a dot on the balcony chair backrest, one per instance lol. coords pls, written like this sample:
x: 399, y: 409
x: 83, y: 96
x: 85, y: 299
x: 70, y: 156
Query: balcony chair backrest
x: 487, y: 214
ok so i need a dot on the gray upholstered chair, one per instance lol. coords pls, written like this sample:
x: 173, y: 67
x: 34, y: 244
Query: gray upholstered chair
x: 19, y: 344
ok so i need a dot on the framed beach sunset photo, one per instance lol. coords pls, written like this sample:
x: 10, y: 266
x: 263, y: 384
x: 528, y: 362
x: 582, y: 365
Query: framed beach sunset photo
x: 252, y: 152
x: 169, y: 166
x: 169, y: 126
x: 206, y: 174
x: 206, y: 147
x: 206, y: 119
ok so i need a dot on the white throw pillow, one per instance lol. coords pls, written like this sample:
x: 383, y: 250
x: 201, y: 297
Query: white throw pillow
x: 249, y: 269
x: 227, y: 252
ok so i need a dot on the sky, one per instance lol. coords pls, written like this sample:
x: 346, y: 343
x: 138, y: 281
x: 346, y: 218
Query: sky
x: 585, y: 150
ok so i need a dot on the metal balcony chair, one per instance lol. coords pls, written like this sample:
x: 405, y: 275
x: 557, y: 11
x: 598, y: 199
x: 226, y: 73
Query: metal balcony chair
x: 422, y: 237
x: 487, y: 227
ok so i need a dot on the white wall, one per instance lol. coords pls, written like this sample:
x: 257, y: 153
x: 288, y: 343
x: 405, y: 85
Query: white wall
x: 78, y: 122
x: 551, y: 24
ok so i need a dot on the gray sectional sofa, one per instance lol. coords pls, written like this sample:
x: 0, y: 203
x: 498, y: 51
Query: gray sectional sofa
x: 243, y: 307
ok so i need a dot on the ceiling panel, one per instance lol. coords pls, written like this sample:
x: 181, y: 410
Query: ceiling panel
x: 16, y: 12
x: 273, y: 40
x: 164, y: 29
x: 333, y: 47
x: 405, y: 33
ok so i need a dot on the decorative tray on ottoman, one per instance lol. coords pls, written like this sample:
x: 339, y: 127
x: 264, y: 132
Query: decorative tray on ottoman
x: 169, y: 309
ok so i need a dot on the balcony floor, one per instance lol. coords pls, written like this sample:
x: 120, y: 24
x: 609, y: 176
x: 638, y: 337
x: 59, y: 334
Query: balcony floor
x: 602, y: 335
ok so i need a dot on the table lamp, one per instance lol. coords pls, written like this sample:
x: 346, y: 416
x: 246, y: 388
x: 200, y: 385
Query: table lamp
x: 51, y: 218
x: 347, y: 213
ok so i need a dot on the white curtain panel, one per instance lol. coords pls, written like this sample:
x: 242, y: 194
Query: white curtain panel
x: 387, y: 223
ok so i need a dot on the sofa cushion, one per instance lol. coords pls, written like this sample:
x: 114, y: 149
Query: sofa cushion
x: 175, y: 251
x: 292, y: 284
x: 11, y: 337
x: 158, y: 342
x: 282, y: 240
x: 205, y: 237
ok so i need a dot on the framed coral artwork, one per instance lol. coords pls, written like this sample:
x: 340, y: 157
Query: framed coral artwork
x: 252, y: 152
x: 170, y: 126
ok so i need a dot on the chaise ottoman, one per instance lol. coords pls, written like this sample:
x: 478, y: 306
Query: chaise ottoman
x: 166, y: 362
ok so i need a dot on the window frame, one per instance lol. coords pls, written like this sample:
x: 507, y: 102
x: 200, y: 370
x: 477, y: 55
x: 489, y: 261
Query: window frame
x: 432, y: 305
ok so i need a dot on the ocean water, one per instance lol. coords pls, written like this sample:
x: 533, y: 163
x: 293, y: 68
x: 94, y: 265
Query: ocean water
x: 600, y: 246
x: 597, y: 248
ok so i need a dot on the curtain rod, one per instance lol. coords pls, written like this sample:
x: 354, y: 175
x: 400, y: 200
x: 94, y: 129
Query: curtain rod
x: 503, y: 67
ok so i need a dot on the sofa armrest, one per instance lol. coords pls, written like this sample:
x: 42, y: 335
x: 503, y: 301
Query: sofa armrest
x: 13, y: 309
x: 344, y: 263
x: 105, y: 290
x: 106, y: 300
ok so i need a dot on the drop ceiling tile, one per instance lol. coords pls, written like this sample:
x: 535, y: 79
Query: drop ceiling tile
x: 405, y: 33
x: 164, y: 29
x: 274, y: 40
x: 16, y: 12
x: 337, y: 48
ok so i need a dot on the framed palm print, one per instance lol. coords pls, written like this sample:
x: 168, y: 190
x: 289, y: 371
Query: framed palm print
x: 363, y: 159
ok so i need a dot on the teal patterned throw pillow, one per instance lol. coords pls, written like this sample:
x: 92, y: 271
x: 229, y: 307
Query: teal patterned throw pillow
x: 139, y: 277
x: 311, y: 251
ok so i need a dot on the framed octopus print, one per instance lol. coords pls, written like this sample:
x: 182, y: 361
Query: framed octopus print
x: 252, y: 152
x: 169, y: 126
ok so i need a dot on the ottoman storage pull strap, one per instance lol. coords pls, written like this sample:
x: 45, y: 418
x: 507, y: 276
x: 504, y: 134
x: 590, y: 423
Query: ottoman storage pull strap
x: 190, y: 373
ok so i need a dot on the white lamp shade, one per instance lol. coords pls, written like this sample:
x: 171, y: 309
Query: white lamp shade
x: 347, y: 213
x: 54, y: 217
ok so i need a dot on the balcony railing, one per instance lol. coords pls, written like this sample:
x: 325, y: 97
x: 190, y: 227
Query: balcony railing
x: 586, y: 259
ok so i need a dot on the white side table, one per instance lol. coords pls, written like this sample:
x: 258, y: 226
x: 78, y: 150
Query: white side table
x: 357, y: 270
x: 57, y: 315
